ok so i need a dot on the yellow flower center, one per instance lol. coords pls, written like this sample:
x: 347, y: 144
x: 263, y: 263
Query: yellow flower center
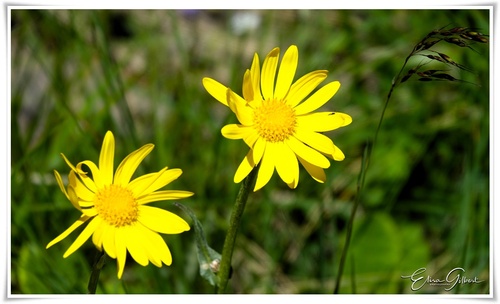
x: 116, y: 205
x: 274, y: 120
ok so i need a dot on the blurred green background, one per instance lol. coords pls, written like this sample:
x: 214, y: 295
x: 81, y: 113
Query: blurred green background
x: 78, y: 73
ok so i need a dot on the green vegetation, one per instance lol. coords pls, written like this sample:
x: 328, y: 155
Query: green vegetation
x: 425, y: 201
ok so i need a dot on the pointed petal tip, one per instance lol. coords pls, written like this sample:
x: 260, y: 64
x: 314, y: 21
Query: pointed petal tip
x: 348, y: 120
x: 108, y: 133
x: 293, y: 184
x: 205, y: 81
x: 293, y: 50
x: 274, y: 51
x: 185, y: 194
x: 338, y: 156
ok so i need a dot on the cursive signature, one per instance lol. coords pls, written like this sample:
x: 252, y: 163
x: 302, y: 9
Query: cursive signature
x: 453, y: 278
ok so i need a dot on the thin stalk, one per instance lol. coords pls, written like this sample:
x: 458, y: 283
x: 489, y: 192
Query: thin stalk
x: 423, y: 45
x: 350, y: 224
x: 99, y: 261
x: 361, y: 178
x: 236, y: 213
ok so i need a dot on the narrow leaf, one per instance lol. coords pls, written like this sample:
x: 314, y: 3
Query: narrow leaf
x: 208, y: 258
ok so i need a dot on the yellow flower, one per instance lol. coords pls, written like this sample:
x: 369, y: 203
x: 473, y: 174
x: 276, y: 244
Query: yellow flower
x: 116, y: 210
x: 276, y: 122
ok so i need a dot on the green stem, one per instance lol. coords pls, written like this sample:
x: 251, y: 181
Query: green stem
x: 99, y: 261
x: 361, y: 178
x: 236, y: 213
x: 350, y: 224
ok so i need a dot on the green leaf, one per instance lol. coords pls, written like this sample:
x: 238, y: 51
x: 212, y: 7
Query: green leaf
x: 382, y: 250
x: 208, y: 258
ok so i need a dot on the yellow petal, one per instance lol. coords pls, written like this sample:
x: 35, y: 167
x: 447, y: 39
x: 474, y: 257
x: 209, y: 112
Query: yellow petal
x: 239, y: 106
x: 244, y: 168
x: 251, y: 138
x: 135, y: 244
x: 315, y: 140
x: 162, y: 179
x: 216, y: 89
x: 109, y: 240
x: 161, y: 220
x: 128, y: 166
x: 149, y: 244
x: 294, y: 183
x: 268, y: 73
x: 286, y: 72
x: 84, y: 236
x: 96, y: 173
x: 163, y: 196
x: 338, y: 154
x: 287, y: 165
x: 318, y: 99
x: 258, y: 150
x: 345, y: 118
x: 97, y: 237
x: 310, y: 155
x: 90, y: 212
x: 159, y: 248
x: 248, y: 93
x: 255, y: 77
x: 141, y: 183
x: 73, y: 197
x: 121, y: 250
x: 67, y: 232
x: 316, y: 172
x: 323, y: 121
x: 266, y: 169
x: 80, y: 189
x: 234, y: 131
x: 304, y: 86
x: 106, y: 158
x: 85, y: 205
x: 60, y: 183
x: 89, y: 183
x: 71, y: 165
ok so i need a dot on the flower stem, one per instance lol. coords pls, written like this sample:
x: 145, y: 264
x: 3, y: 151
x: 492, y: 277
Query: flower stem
x: 361, y: 178
x: 99, y: 261
x: 350, y: 224
x: 236, y: 213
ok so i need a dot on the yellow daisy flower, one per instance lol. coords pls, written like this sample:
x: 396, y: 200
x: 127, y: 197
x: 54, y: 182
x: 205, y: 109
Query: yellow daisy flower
x: 276, y: 120
x: 116, y: 210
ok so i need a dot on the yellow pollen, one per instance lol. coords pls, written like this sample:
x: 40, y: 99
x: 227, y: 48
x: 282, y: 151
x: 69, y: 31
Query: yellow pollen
x: 116, y: 205
x: 274, y: 120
